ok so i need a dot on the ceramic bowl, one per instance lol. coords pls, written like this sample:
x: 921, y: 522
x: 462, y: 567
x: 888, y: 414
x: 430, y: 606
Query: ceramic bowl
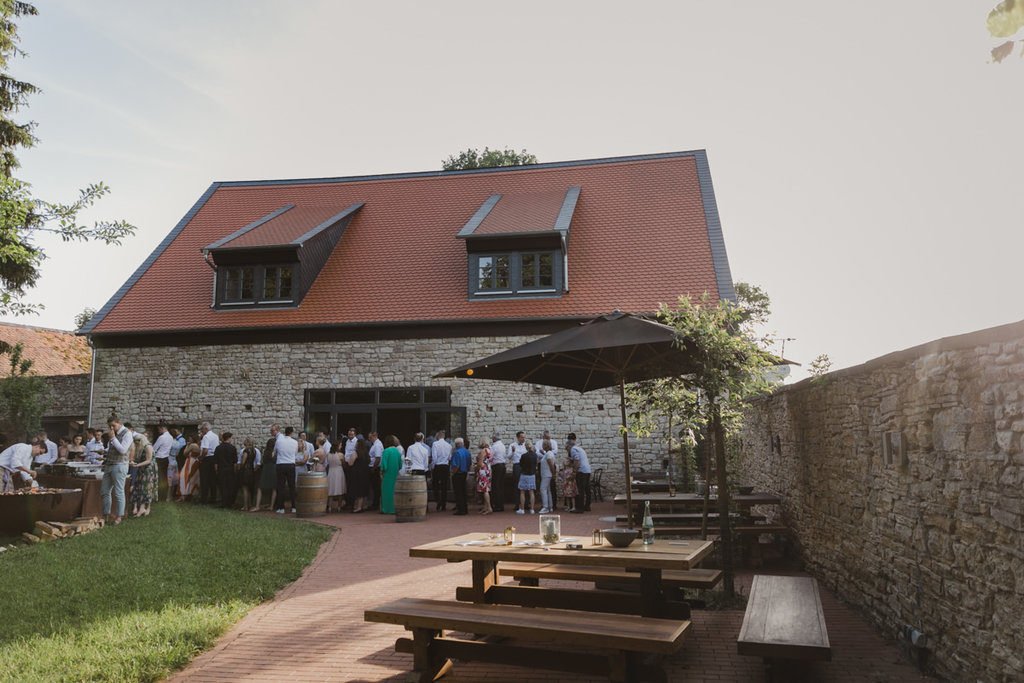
x: 620, y: 538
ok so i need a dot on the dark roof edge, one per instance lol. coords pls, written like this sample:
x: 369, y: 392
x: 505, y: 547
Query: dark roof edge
x: 719, y: 257
x: 957, y: 342
x: 564, y: 219
x: 479, y: 215
x: 372, y: 324
x: 498, y: 169
x: 251, y: 226
x: 144, y: 266
x: 333, y: 220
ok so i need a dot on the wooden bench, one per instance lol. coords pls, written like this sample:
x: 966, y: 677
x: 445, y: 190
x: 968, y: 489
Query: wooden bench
x: 784, y: 621
x: 677, y: 517
x: 531, y: 574
x: 621, y: 640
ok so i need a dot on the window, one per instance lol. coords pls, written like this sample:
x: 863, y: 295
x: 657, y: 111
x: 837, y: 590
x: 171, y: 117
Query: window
x: 277, y: 283
x: 238, y: 284
x: 493, y: 272
x: 537, y: 271
x: 526, y: 273
x: 256, y: 285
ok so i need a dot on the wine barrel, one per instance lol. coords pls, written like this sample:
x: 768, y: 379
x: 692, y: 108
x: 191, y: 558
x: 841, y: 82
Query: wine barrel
x: 311, y: 492
x: 411, y: 498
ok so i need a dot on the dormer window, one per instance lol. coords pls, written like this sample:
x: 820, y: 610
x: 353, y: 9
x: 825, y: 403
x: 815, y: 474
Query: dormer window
x: 274, y: 260
x: 517, y: 245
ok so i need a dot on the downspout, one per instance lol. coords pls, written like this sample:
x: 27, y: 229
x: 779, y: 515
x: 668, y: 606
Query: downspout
x: 92, y: 383
x: 213, y: 267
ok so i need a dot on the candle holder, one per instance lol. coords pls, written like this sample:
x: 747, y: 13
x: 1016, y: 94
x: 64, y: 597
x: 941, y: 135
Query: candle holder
x: 550, y: 528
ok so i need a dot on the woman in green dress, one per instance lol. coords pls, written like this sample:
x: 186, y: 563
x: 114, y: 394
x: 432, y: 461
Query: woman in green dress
x: 390, y: 464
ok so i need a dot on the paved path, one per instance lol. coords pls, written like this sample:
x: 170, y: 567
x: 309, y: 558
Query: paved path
x: 313, y: 630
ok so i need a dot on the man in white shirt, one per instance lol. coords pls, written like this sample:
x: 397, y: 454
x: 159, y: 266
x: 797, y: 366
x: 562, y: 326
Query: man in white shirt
x: 162, y: 451
x: 94, y: 447
x: 115, y: 468
x: 49, y: 454
x: 580, y: 463
x: 440, y: 456
x: 418, y: 456
x: 327, y: 440
x: 16, y: 461
x: 207, y: 465
x: 350, y: 442
x: 499, y: 457
x: 515, y: 453
x: 376, y: 450
x: 286, y: 451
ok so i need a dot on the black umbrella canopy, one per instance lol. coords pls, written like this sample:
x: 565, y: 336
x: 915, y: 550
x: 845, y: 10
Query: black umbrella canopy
x: 603, y: 352
x: 612, y: 350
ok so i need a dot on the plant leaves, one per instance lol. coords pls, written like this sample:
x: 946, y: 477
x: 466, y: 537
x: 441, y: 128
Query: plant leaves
x: 1001, y: 52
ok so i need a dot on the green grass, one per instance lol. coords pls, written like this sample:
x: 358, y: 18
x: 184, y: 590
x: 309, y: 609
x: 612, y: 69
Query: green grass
x: 136, y: 602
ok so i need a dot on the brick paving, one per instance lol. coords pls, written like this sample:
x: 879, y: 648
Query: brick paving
x: 313, y: 630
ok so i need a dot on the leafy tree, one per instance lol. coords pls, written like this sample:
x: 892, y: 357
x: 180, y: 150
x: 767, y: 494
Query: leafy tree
x: 23, y: 396
x: 22, y: 214
x: 1006, y: 20
x: 85, y: 316
x: 730, y: 360
x: 820, y: 366
x: 489, y: 158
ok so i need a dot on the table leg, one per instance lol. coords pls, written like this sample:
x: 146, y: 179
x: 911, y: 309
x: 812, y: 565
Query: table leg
x: 485, y: 575
x: 652, y: 597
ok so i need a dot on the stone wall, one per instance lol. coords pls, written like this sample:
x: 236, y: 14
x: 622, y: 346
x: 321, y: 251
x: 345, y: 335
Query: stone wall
x: 176, y: 384
x: 903, y: 480
x: 69, y: 396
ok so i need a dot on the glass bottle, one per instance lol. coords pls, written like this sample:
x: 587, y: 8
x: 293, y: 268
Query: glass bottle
x: 648, y: 528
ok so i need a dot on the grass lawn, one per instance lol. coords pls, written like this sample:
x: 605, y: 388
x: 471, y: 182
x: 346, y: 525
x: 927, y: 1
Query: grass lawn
x: 137, y: 601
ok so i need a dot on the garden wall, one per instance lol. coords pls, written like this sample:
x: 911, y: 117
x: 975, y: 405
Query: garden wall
x: 903, y: 480
x: 244, y: 388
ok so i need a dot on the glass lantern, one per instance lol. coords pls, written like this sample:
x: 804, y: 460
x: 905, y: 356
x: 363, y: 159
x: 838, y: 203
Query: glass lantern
x: 550, y: 528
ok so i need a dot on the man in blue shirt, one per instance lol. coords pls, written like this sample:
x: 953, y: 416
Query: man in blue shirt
x: 460, y: 464
x: 580, y: 463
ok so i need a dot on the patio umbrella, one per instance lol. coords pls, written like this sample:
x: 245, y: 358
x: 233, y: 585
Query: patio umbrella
x: 611, y: 350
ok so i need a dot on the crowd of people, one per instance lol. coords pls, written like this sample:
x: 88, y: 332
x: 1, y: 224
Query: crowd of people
x: 361, y: 472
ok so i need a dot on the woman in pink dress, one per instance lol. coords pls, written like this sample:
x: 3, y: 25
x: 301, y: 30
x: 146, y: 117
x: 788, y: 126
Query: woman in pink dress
x: 336, y: 485
x: 483, y: 476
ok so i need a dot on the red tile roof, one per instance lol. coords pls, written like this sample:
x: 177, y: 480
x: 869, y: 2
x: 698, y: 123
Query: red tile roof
x: 523, y: 212
x: 285, y: 227
x: 639, y: 237
x: 52, y: 352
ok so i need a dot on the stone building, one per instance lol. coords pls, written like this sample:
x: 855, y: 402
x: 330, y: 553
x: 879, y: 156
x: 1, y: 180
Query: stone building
x: 64, y: 361
x: 332, y: 302
x: 903, y: 482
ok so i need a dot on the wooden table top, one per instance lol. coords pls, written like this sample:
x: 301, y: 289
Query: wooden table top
x: 757, y: 498
x: 663, y: 554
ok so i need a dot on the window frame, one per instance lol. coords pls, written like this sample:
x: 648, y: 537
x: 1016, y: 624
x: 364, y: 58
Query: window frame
x: 517, y: 288
x: 225, y: 283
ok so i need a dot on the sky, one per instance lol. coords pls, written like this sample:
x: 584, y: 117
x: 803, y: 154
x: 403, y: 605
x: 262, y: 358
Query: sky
x: 862, y: 154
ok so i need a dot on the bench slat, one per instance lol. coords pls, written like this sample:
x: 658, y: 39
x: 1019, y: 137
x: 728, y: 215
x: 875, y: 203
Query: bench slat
x: 784, y: 619
x: 691, y: 578
x: 613, y: 631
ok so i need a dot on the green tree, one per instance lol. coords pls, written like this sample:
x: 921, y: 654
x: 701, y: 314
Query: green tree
x: 489, y: 158
x: 730, y: 363
x: 23, y: 396
x: 23, y: 215
x: 85, y: 316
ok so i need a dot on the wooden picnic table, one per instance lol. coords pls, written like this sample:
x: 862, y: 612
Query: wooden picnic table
x: 486, y: 554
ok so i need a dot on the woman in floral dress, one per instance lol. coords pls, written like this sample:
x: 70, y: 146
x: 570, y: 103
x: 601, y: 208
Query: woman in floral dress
x: 483, y: 476
x: 144, y: 484
x: 567, y: 483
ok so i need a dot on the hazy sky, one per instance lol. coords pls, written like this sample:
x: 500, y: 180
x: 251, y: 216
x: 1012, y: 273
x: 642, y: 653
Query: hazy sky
x: 865, y: 155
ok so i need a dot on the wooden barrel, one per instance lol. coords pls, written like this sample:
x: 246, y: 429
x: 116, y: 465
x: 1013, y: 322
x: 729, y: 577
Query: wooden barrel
x: 311, y: 491
x: 411, y: 498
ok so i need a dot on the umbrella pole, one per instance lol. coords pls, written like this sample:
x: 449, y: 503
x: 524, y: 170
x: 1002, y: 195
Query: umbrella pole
x: 625, y: 448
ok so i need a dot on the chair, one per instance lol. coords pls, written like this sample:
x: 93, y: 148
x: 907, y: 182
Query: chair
x: 595, y: 484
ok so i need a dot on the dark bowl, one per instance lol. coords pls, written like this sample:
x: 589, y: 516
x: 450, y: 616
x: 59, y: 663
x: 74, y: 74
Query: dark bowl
x: 620, y: 538
x: 746, y: 490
